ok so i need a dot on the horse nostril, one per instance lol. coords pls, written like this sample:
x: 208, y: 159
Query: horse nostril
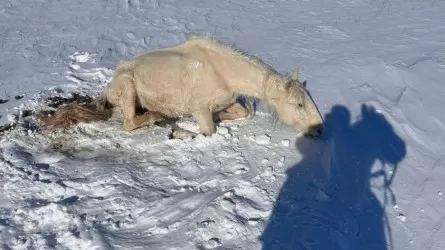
x: 318, y: 130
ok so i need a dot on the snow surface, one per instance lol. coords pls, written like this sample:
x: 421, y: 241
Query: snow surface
x: 374, y: 181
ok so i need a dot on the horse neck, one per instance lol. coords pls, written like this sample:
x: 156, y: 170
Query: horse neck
x: 271, y: 86
x: 249, y: 79
x: 243, y: 75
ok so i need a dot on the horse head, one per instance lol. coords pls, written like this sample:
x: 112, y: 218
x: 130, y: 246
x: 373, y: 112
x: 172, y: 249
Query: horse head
x: 295, y: 107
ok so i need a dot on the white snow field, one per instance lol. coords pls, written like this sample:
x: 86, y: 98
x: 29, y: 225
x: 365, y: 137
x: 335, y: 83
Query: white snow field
x: 375, y: 180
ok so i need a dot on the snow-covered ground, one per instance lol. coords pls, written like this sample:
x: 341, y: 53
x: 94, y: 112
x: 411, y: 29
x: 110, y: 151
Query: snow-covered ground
x: 376, y: 70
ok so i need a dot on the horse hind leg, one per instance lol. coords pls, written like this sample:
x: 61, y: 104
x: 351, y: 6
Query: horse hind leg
x: 233, y: 112
x: 147, y: 119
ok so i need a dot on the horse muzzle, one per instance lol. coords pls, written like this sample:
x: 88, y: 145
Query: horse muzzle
x: 315, y: 131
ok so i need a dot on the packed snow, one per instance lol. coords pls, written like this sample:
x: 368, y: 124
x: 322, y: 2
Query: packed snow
x: 375, y: 180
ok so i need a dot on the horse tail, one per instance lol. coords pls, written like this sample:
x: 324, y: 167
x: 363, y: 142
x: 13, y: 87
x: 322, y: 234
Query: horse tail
x: 73, y: 113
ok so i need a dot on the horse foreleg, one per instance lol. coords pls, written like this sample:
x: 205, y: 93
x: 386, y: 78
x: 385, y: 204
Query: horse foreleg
x: 205, y: 122
x: 233, y: 112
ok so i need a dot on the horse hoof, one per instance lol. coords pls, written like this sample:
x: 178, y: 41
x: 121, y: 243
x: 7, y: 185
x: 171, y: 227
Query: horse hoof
x: 182, y: 134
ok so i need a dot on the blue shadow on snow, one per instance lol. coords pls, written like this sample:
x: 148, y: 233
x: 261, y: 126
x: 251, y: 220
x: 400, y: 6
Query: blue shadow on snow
x: 326, y: 201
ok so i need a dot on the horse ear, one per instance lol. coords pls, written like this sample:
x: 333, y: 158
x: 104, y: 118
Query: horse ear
x: 287, y: 86
x: 294, y: 75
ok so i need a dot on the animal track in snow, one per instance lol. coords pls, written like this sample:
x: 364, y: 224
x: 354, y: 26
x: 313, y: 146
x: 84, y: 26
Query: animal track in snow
x: 233, y: 215
x: 140, y: 5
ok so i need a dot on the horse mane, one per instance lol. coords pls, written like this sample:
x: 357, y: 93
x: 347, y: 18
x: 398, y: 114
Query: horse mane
x: 230, y: 48
x: 233, y: 50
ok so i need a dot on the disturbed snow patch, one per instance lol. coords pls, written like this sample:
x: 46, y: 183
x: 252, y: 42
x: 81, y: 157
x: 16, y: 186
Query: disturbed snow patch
x: 95, y: 185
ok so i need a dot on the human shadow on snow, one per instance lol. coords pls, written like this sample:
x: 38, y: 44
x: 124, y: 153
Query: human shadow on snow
x: 326, y: 201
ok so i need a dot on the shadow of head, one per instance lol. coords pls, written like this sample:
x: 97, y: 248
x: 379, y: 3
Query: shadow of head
x: 381, y: 136
x: 372, y: 132
x: 372, y: 135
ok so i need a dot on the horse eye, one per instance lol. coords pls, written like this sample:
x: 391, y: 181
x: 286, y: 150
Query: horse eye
x: 300, y: 105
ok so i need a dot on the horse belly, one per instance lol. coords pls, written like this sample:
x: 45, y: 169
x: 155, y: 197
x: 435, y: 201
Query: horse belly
x: 174, y: 85
x: 164, y: 103
x: 179, y: 100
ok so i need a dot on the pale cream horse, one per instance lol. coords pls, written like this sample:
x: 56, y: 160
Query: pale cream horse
x: 200, y: 77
